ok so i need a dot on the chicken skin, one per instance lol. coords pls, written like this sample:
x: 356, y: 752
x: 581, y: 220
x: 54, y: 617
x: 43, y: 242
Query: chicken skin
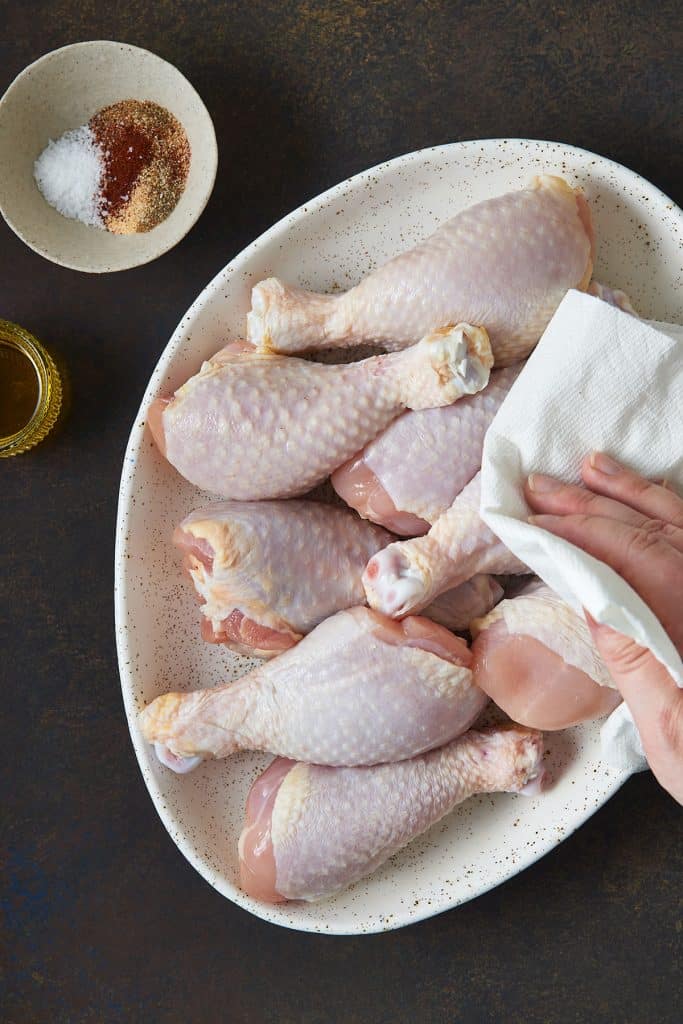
x: 310, y: 831
x: 408, y: 575
x: 414, y: 470
x: 505, y: 264
x: 535, y: 657
x: 359, y: 689
x: 251, y: 426
x: 267, y: 572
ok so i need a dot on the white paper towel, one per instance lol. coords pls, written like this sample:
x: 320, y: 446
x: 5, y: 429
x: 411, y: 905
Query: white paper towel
x: 599, y: 379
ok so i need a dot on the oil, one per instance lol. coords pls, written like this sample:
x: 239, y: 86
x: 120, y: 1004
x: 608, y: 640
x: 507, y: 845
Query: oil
x: 30, y: 390
x: 19, y: 389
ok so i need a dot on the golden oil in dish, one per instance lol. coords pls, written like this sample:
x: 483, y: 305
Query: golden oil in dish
x: 30, y: 390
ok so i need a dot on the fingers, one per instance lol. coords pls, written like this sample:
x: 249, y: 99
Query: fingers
x: 626, y: 548
x: 636, y: 527
x: 654, y: 699
x: 642, y: 556
x: 548, y: 495
x: 609, y: 478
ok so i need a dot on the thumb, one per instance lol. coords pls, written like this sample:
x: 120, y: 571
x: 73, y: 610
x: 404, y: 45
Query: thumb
x: 654, y: 699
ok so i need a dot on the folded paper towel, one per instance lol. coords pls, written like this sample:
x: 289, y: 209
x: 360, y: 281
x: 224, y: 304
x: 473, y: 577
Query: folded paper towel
x: 598, y: 379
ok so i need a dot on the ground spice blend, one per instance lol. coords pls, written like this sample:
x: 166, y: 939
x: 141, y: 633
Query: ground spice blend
x: 146, y: 162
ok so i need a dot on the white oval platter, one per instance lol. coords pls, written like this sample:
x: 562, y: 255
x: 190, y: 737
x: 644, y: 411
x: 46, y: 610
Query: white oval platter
x: 327, y: 244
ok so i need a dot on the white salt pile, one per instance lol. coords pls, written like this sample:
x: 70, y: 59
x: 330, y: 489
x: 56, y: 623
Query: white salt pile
x: 69, y: 173
x: 123, y: 171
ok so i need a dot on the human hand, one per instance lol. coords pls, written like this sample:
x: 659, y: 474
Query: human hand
x: 636, y: 527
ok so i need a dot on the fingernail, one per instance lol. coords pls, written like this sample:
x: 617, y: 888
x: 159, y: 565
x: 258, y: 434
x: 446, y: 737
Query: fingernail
x: 604, y: 464
x: 542, y: 484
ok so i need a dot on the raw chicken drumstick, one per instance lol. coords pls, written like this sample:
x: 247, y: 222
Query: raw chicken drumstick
x: 535, y: 657
x: 359, y: 689
x: 413, y: 471
x: 267, y: 572
x: 251, y: 426
x: 310, y: 831
x: 505, y: 263
x: 456, y: 608
x: 408, y: 575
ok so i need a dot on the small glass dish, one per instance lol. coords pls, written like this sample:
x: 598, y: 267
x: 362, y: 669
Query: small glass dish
x: 30, y: 390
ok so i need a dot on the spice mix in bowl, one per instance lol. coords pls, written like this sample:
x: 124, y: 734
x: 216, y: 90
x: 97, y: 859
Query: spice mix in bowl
x: 103, y: 135
x: 124, y: 171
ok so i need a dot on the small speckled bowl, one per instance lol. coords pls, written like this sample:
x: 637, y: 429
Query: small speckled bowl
x: 61, y: 91
x: 331, y: 242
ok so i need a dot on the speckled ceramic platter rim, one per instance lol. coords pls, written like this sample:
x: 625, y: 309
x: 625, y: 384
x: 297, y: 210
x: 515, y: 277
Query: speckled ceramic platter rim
x: 331, y: 242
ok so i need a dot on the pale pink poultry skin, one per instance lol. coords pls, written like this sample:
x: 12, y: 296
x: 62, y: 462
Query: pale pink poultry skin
x: 505, y: 264
x: 311, y: 831
x: 535, y: 658
x: 359, y: 689
x: 251, y: 426
x: 408, y: 575
x: 413, y: 471
x: 267, y: 572
x: 457, y: 608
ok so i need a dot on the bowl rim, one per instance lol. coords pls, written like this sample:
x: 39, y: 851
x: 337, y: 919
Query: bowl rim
x: 211, y: 157
x: 309, y: 207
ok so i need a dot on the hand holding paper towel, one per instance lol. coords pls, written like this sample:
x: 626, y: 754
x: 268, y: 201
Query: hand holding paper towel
x: 599, y: 379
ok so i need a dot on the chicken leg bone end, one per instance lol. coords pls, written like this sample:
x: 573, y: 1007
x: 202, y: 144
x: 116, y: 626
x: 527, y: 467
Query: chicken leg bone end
x: 177, y: 764
x: 284, y: 313
x: 392, y: 584
x: 459, y: 361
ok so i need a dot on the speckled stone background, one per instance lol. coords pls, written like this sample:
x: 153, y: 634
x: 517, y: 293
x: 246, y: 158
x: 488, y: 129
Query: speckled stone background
x: 104, y: 920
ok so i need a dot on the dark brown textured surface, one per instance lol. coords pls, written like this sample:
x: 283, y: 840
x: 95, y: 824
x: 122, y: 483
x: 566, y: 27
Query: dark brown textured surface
x: 105, y: 921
